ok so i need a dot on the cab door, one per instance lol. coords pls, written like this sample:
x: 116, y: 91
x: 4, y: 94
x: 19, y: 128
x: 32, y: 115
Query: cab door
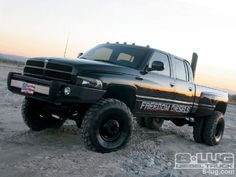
x: 184, y: 88
x: 156, y: 89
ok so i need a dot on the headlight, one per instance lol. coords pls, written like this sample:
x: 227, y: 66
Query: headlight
x: 67, y: 90
x: 89, y: 82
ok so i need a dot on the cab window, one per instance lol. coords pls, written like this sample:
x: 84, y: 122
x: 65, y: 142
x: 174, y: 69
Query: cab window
x: 190, y: 73
x: 125, y: 57
x: 102, y: 54
x: 180, y: 70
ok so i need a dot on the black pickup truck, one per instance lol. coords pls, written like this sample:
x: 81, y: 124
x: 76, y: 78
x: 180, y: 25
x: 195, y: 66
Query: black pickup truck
x: 104, y: 88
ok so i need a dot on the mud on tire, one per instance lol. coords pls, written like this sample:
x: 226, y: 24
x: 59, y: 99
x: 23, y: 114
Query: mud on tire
x: 107, y: 125
x: 214, y: 129
x: 35, y: 118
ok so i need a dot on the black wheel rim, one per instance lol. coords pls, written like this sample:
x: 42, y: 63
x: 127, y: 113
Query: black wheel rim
x: 219, y: 131
x: 110, y: 130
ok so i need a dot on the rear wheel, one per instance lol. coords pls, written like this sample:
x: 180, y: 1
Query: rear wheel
x: 214, y: 129
x: 107, y: 125
x: 154, y: 123
x: 37, y: 119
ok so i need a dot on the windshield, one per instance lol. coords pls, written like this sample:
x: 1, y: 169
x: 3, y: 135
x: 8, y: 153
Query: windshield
x: 124, y: 55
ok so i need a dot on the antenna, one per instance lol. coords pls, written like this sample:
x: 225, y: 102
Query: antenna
x: 67, y: 40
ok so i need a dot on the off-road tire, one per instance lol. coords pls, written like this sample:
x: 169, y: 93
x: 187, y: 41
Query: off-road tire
x: 140, y: 121
x: 198, y: 128
x: 214, y: 129
x: 34, y: 118
x: 99, y: 115
x: 153, y: 123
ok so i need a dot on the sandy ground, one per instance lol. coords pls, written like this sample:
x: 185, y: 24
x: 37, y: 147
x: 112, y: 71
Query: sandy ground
x: 62, y: 153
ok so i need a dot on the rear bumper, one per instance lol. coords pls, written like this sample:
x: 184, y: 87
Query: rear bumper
x: 52, y: 91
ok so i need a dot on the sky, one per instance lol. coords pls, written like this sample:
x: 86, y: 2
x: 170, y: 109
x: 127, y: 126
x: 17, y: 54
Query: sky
x: 208, y: 27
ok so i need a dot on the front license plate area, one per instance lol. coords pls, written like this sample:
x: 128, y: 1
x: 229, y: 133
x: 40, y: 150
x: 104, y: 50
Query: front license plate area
x: 27, y: 88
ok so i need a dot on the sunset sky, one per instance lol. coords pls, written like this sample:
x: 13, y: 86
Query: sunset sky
x: 208, y: 27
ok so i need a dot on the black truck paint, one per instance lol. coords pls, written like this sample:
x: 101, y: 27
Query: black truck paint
x: 126, y: 75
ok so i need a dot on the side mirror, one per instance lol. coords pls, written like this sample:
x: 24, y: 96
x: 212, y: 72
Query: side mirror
x: 157, y: 66
x: 79, y: 55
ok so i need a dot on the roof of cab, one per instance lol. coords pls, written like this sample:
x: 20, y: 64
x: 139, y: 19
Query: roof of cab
x: 147, y: 47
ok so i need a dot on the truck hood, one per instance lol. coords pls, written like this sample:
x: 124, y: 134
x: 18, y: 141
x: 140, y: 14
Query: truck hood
x: 85, y: 66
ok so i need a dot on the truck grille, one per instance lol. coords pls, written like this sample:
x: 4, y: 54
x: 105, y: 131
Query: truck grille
x: 48, y: 70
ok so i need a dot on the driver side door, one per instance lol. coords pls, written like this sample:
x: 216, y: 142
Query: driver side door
x: 157, y: 88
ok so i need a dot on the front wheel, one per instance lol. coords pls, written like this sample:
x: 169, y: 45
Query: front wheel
x: 214, y: 129
x: 36, y: 118
x: 107, y: 125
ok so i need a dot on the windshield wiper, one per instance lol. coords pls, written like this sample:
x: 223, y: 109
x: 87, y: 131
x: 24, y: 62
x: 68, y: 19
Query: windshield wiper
x: 83, y: 58
x: 106, y: 61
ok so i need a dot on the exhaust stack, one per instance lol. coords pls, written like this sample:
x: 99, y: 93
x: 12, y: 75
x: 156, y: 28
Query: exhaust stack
x: 194, y: 63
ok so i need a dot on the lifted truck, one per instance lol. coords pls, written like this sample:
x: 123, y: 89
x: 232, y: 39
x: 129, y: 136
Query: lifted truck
x: 105, y: 87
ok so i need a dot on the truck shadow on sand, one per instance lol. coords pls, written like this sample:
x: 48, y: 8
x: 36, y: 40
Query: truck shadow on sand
x: 148, y: 152
x: 70, y: 135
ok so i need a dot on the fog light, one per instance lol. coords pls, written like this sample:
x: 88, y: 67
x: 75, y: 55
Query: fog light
x: 67, y: 90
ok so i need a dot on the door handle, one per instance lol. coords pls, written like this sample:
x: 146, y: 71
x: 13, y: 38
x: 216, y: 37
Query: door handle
x: 172, y: 84
x: 190, y: 89
x: 139, y: 78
